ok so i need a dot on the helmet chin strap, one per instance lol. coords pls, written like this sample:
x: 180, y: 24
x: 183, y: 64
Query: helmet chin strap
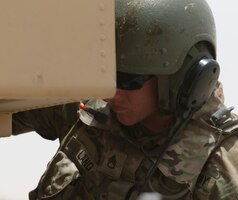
x: 163, y: 94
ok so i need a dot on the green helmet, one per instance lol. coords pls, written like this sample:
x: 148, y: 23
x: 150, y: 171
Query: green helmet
x: 163, y: 38
x: 154, y: 36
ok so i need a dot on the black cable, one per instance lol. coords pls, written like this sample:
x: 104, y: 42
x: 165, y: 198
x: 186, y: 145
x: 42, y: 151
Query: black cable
x: 181, y: 123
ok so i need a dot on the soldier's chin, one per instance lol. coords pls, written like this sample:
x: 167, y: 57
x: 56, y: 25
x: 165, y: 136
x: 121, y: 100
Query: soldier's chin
x: 125, y: 120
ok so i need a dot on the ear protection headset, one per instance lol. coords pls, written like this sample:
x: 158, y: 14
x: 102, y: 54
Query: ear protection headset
x: 187, y: 90
x: 199, y: 83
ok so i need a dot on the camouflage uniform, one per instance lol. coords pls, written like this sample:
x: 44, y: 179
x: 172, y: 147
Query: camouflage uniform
x: 111, y: 162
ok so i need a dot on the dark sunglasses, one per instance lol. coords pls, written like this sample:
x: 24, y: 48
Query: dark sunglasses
x: 127, y: 81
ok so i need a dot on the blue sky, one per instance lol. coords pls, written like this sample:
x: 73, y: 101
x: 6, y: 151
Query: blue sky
x: 24, y: 158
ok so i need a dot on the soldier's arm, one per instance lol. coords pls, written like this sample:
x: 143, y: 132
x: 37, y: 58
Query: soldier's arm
x: 51, y: 123
x: 219, y: 179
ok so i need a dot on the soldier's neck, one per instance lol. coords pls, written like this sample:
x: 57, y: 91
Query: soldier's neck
x: 157, y: 123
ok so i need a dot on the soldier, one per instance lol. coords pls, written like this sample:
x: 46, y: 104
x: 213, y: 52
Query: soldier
x: 166, y: 129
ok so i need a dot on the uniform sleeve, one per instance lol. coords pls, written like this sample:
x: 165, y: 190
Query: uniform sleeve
x: 50, y: 123
x: 219, y: 179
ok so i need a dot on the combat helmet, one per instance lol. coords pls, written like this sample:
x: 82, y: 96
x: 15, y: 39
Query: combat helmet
x: 164, y: 38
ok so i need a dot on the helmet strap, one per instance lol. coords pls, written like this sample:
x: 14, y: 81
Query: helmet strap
x: 194, y: 52
x: 163, y: 93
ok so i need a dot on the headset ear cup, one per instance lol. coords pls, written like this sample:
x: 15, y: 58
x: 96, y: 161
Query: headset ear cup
x: 198, y: 85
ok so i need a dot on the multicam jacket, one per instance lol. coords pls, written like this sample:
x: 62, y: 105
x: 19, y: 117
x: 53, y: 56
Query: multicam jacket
x: 107, y: 161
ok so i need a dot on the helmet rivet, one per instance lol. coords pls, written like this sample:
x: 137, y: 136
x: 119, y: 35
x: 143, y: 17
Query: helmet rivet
x: 189, y: 7
x: 166, y: 64
x: 163, y: 51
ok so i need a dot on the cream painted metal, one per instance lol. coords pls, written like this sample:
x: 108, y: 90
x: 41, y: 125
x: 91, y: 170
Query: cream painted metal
x: 54, y: 52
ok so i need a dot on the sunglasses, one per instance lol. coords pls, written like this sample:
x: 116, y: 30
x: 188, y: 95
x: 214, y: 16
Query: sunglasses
x: 127, y: 81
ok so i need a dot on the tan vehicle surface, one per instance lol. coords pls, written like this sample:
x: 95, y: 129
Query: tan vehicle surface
x: 53, y: 53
